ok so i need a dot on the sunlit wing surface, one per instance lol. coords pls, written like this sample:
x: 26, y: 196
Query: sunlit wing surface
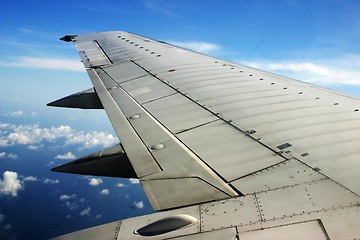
x: 224, y: 150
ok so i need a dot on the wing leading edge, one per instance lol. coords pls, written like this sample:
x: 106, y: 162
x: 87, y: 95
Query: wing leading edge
x: 264, y: 150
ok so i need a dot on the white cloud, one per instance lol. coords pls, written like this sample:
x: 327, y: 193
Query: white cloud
x: 66, y: 197
x: 33, y: 134
x: 95, y: 181
x: 71, y: 205
x: 30, y: 134
x: 68, y: 155
x: 139, y: 205
x: 120, y: 185
x: 10, y: 185
x: 99, y: 216
x: 12, y: 156
x: 202, y: 47
x: 33, y: 147
x: 134, y: 181
x: 45, y: 63
x: 9, y: 155
x: 86, y: 211
x: 15, y: 114
x: 30, y: 179
x: 50, y: 163
x: 105, y: 192
x: 344, y: 70
x: 92, y: 139
x: 51, y: 181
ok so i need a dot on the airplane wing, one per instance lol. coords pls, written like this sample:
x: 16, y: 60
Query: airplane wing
x: 223, y: 150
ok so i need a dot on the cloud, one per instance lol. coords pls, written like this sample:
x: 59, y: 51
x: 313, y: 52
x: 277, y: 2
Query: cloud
x: 9, y: 155
x: 51, y: 181
x: 120, y: 185
x: 30, y: 179
x: 95, y: 181
x: 134, y: 181
x: 10, y: 184
x: 86, y: 212
x: 161, y: 6
x: 92, y: 139
x: 202, y: 47
x: 344, y: 70
x: 139, y: 205
x: 66, y: 197
x: 105, y: 192
x: 33, y: 147
x: 15, y: 114
x: 71, y: 205
x: 33, y: 134
x: 12, y: 156
x: 30, y: 134
x: 99, y: 216
x: 45, y: 63
x: 68, y: 155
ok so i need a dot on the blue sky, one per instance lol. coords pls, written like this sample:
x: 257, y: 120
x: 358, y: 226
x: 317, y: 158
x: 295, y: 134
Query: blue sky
x: 311, y: 40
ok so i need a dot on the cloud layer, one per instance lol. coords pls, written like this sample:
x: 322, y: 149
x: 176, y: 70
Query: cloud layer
x: 45, y: 63
x: 11, y: 134
x: 344, y: 70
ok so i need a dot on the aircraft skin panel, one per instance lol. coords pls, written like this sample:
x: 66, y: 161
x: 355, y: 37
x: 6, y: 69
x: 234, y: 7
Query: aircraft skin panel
x: 247, y: 153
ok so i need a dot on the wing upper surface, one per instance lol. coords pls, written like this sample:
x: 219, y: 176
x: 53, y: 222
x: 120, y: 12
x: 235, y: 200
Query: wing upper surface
x: 198, y: 129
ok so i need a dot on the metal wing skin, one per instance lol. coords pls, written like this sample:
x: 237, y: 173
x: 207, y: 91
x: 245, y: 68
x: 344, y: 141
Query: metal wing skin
x: 224, y: 151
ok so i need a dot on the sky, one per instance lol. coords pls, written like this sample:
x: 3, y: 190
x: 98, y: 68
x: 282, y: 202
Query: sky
x: 317, y: 41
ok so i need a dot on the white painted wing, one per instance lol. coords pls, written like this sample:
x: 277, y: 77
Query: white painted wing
x: 197, y: 129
